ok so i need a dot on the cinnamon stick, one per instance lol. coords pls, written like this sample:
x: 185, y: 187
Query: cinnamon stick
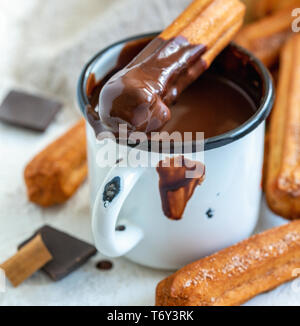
x: 26, y: 261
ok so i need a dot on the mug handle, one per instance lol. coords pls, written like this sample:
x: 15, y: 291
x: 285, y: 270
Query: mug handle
x: 109, y: 201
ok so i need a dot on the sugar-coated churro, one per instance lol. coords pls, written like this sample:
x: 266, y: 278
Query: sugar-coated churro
x: 266, y: 37
x: 55, y: 173
x: 236, y: 274
x: 283, y: 170
x: 266, y: 7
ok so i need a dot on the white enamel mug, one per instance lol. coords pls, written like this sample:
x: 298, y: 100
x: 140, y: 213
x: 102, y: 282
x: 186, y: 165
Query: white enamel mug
x: 221, y: 212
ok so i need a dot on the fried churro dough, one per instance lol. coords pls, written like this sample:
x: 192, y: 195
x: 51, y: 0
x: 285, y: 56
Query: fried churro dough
x: 266, y: 37
x: 236, y: 274
x: 155, y: 78
x: 55, y: 173
x: 266, y: 7
x: 283, y: 171
x: 212, y: 23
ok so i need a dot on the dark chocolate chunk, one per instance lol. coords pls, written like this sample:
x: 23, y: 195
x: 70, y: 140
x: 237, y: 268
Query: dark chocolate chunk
x: 68, y: 252
x: 104, y: 265
x: 27, y: 110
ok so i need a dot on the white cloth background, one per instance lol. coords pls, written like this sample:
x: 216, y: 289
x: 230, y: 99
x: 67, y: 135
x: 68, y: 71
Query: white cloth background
x: 44, y: 45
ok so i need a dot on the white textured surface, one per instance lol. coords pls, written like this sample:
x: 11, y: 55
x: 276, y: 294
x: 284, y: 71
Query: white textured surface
x: 45, y: 45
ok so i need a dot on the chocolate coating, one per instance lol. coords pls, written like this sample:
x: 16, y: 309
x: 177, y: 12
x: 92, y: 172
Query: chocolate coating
x: 175, y: 187
x: 139, y: 94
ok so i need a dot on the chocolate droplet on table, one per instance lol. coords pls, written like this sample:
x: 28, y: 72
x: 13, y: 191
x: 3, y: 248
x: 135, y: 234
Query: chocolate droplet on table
x: 104, y: 265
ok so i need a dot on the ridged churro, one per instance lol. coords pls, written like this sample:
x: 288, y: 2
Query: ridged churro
x: 266, y: 37
x: 266, y: 7
x: 173, y: 60
x: 283, y: 170
x: 55, y: 173
x: 211, y: 23
x: 236, y: 274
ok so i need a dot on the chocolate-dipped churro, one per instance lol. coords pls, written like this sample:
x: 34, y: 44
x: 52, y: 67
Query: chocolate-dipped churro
x: 139, y: 95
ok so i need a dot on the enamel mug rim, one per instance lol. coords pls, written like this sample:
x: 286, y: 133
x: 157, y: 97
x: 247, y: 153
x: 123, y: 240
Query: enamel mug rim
x: 253, y: 122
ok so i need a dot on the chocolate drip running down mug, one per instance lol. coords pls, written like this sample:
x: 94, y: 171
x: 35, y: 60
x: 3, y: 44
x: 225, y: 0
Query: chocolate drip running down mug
x: 223, y: 210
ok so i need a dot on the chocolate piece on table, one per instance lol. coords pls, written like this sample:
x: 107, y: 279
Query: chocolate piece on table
x: 68, y: 252
x: 26, y: 261
x: 28, y: 110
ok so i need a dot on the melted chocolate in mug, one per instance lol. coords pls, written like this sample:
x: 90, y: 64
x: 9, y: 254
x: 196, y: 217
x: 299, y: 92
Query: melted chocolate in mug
x: 211, y: 104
